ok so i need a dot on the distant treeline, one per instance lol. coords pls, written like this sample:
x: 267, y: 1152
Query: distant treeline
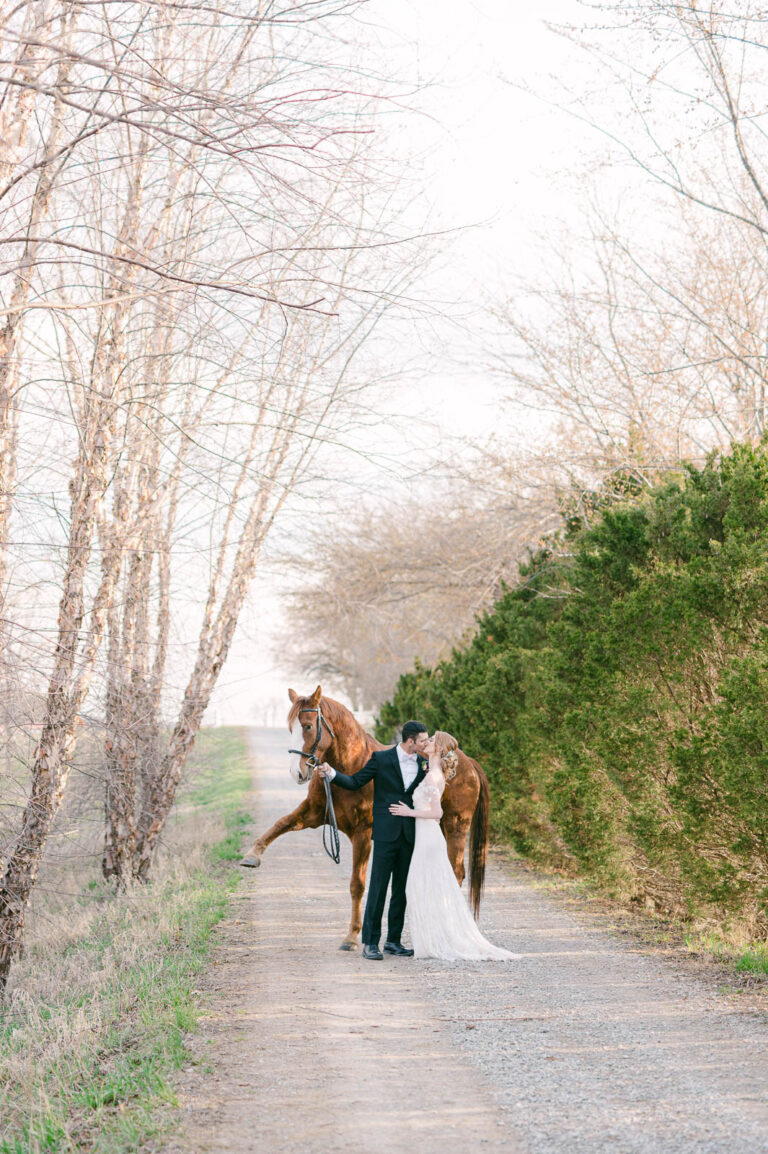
x: 618, y: 696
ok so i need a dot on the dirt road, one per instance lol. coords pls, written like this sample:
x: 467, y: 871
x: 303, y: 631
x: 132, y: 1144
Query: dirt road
x: 586, y: 1045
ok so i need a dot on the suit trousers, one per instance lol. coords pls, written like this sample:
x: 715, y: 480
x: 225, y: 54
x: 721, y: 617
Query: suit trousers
x: 391, y: 860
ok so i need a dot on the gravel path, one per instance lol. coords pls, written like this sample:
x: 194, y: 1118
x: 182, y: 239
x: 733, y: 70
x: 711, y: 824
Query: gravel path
x: 594, y: 1046
x: 304, y: 1048
x: 586, y: 1045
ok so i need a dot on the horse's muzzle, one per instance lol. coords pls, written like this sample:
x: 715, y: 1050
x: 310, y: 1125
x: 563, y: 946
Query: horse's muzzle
x: 302, y: 773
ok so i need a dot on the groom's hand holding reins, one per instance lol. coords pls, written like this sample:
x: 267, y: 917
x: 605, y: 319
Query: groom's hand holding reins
x: 325, y: 771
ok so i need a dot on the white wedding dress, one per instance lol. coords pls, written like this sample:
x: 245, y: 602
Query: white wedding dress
x: 440, y: 920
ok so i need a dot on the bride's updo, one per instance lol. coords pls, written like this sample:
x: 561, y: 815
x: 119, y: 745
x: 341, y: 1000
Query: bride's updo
x: 446, y: 747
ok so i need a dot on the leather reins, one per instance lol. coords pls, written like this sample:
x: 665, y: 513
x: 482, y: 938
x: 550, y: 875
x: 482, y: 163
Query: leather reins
x: 331, y: 839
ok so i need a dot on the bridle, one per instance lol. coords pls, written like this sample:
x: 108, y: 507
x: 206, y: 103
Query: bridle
x: 312, y: 762
x: 331, y: 840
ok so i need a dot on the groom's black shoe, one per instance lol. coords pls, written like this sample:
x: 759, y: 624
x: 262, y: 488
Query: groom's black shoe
x: 396, y: 948
x: 373, y: 954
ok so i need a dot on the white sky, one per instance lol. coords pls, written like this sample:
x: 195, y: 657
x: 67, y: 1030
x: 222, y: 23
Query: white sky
x: 493, y: 161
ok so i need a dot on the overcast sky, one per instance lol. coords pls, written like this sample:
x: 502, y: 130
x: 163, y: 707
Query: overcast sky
x: 493, y: 163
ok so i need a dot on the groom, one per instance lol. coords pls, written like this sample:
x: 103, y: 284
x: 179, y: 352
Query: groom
x: 395, y: 772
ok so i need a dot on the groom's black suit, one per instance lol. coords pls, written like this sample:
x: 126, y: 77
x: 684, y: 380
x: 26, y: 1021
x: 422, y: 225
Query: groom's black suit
x: 392, y: 839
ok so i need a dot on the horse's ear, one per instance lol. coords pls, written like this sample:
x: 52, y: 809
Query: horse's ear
x: 315, y: 698
x: 293, y: 696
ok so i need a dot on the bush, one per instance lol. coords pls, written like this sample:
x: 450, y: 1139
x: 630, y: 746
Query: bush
x: 617, y: 696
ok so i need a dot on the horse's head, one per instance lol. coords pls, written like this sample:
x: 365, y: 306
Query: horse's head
x: 311, y: 735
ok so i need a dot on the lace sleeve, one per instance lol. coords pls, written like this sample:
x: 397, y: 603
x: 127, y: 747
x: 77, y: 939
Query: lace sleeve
x: 430, y: 795
x: 435, y: 781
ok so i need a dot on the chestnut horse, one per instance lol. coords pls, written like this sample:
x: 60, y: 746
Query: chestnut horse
x: 323, y: 730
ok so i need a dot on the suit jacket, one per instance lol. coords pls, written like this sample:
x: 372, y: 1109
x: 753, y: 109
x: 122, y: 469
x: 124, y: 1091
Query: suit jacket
x: 384, y: 770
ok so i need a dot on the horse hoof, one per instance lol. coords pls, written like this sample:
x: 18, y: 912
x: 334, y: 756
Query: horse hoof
x: 349, y: 946
x: 251, y: 861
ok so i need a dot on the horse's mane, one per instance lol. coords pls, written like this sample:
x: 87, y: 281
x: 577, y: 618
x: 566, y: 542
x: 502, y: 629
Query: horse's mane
x: 333, y: 711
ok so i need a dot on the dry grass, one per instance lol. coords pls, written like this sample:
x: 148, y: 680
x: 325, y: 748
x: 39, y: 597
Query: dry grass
x: 98, y: 1007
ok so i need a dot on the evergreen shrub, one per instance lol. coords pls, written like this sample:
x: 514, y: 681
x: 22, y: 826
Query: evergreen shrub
x: 617, y: 695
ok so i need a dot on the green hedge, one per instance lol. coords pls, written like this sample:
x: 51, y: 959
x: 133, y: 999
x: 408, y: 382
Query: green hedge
x: 617, y: 697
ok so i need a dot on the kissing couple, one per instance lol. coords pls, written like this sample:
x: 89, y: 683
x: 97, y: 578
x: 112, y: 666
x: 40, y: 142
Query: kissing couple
x: 409, y: 851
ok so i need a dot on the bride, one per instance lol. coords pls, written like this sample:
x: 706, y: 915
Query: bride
x: 441, y: 923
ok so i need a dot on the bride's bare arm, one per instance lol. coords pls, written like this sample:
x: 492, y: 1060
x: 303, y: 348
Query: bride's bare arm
x: 400, y: 809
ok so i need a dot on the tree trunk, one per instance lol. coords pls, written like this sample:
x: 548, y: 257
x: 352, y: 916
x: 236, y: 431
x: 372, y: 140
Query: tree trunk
x: 214, y: 647
x: 68, y: 686
x: 14, y: 125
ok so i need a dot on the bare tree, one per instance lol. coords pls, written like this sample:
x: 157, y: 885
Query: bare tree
x: 647, y: 344
x: 388, y: 585
x: 688, y: 87
x: 33, y: 149
x: 194, y: 272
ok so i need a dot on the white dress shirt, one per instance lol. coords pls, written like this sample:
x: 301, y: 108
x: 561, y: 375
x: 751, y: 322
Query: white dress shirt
x: 409, y: 766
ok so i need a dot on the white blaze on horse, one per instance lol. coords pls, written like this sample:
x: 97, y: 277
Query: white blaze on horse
x: 324, y: 731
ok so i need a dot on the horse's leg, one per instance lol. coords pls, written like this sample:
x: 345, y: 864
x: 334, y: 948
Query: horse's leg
x: 361, y: 851
x: 300, y: 818
x: 455, y: 828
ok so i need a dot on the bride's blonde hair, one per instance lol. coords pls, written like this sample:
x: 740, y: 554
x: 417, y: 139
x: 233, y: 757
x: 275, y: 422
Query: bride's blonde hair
x: 446, y: 746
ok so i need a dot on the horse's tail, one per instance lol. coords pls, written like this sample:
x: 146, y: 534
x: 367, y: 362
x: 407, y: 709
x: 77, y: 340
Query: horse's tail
x: 478, y: 841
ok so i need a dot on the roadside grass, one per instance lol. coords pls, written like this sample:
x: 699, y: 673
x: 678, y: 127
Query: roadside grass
x: 712, y: 944
x: 98, y: 1008
x: 753, y: 960
x: 224, y: 792
x: 731, y: 948
x: 743, y: 957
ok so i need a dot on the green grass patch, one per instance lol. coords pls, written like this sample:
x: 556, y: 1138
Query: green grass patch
x: 98, y: 1012
x: 223, y: 792
x: 709, y: 942
x: 744, y: 959
x: 753, y: 960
